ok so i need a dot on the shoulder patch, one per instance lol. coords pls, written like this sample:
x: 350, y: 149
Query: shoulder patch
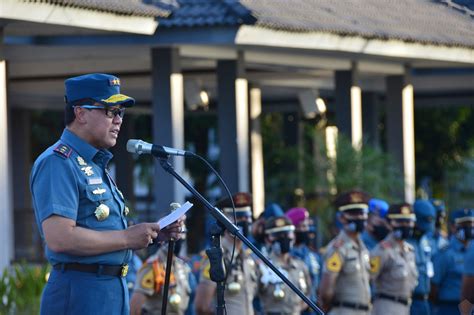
x: 206, y: 270
x: 374, y: 264
x: 63, y: 150
x: 334, y: 263
x: 148, y: 280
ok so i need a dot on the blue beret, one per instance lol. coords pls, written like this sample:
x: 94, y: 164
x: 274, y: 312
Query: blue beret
x: 379, y: 207
x: 100, y: 87
x: 424, y: 208
x: 273, y: 210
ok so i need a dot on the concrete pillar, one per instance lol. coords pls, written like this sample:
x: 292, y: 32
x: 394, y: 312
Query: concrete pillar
x: 233, y: 124
x: 400, y: 130
x: 348, y: 101
x: 168, y: 123
x: 6, y: 204
x: 370, y: 116
x: 27, y: 239
x: 124, y: 161
x: 256, y: 152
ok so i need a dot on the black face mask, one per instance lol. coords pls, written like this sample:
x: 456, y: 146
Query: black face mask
x: 302, y: 237
x: 356, y: 225
x: 380, y: 232
x: 403, y: 232
x: 465, y: 233
x: 281, y: 246
x: 177, y: 246
x: 244, y: 227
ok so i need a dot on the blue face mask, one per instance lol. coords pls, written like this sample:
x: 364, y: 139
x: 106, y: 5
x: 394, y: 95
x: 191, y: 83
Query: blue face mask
x: 465, y: 233
x: 403, y: 232
x: 356, y: 225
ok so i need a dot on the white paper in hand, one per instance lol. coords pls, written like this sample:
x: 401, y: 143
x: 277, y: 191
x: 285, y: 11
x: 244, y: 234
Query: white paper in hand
x: 174, y: 215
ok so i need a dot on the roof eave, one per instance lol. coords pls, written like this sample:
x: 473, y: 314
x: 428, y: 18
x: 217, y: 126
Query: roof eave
x: 76, y: 17
x: 325, y: 41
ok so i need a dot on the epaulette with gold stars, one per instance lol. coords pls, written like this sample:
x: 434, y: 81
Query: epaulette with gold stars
x: 385, y: 244
x: 63, y: 150
x: 338, y: 243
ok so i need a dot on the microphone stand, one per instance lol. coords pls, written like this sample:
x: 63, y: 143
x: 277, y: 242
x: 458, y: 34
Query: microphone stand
x: 217, y: 270
x: 169, y: 263
x: 233, y: 229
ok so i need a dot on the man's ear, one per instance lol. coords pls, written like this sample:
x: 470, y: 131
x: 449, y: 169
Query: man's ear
x: 79, y: 112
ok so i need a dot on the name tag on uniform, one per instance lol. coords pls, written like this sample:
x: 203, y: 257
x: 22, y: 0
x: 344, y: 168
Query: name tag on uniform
x: 94, y: 180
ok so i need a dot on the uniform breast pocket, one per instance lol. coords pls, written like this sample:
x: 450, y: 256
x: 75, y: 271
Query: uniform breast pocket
x: 399, y: 270
x: 351, y: 264
x: 97, y: 207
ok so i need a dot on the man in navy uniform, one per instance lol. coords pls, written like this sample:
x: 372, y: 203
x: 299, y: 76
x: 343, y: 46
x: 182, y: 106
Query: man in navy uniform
x: 425, y: 225
x: 80, y: 211
x: 377, y: 226
x: 449, y: 264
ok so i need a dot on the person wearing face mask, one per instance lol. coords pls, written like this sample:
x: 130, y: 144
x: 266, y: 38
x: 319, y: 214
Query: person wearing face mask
x: 300, y: 219
x: 276, y: 297
x: 147, y: 297
x: 377, y: 226
x: 425, y: 224
x: 344, y: 286
x: 393, y: 266
x: 438, y: 239
x: 242, y: 273
x: 449, y: 263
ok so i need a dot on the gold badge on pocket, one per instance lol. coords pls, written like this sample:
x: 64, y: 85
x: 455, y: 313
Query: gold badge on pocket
x: 102, y: 212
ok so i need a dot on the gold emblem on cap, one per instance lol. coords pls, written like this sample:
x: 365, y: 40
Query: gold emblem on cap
x: 126, y: 211
x: 279, y: 222
x: 405, y: 210
x: 355, y: 197
x: 102, y: 212
x: 87, y: 170
x: 81, y: 161
x: 99, y: 191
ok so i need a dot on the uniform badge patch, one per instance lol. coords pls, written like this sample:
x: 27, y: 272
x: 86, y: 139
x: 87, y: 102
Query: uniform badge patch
x: 334, y: 263
x: 374, y: 264
x: 148, y: 280
x: 206, y: 270
x: 87, y: 170
x: 81, y: 161
x: 99, y: 191
x: 63, y: 150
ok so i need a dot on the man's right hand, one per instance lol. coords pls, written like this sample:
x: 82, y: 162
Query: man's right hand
x: 141, y: 235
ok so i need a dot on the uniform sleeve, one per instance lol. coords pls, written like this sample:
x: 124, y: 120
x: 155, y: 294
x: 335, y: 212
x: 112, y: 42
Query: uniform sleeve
x: 440, y: 265
x: 54, y: 189
x: 469, y: 261
x: 333, y: 260
x: 145, y: 282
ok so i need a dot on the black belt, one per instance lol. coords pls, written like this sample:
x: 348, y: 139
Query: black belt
x: 418, y: 296
x: 356, y: 306
x: 108, y: 270
x: 402, y: 300
x: 446, y: 302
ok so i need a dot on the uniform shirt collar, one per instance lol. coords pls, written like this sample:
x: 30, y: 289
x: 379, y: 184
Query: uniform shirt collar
x: 83, y: 148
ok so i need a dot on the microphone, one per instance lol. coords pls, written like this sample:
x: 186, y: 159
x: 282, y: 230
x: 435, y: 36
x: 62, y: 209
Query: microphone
x: 142, y: 147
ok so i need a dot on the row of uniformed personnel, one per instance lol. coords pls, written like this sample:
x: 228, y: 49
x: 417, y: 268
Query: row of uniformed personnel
x: 400, y: 264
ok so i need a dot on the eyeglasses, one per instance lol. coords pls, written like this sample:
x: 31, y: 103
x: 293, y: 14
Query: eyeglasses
x: 109, y: 112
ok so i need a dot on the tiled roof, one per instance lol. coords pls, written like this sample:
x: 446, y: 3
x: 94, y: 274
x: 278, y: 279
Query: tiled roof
x: 192, y: 13
x: 446, y: 22
x: 122, y: 7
